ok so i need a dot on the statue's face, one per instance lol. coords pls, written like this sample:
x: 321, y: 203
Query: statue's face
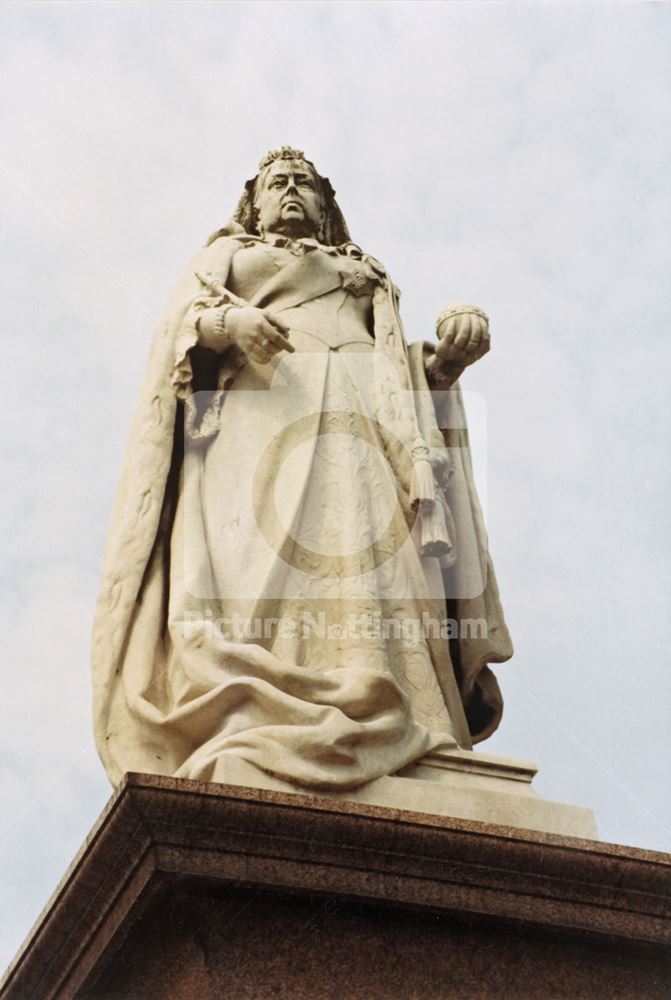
x: 289, y: 200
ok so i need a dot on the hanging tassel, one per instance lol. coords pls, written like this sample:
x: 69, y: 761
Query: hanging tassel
x: 422, y: 483
x: 434, y: 538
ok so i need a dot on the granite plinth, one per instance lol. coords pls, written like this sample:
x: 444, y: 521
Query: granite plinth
x: 188, y: 889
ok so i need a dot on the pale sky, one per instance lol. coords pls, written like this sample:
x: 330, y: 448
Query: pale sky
x: 517, y: 155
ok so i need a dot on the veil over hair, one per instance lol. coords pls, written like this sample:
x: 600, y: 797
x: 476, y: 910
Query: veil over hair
x: 243, y: 219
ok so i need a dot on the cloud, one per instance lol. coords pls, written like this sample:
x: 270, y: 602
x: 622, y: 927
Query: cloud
x: 511, y: 154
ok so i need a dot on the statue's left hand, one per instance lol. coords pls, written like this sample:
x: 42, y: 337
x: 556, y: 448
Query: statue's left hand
x: 463, y: 332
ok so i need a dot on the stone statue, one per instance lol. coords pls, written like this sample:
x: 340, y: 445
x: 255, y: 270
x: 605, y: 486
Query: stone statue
x: 297, y: 542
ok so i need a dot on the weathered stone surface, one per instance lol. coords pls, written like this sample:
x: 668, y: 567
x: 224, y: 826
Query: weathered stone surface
x: 297, y: 573
x: 460, y: 784
x: 187, y: 889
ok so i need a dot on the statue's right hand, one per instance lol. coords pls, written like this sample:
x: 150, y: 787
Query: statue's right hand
x: 258, y: 333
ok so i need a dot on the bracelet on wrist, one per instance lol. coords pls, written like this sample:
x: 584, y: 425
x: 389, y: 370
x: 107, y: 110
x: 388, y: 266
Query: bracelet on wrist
x: 219, y: 326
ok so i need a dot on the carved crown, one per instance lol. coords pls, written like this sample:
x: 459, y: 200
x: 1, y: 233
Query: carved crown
x: 285, y: 153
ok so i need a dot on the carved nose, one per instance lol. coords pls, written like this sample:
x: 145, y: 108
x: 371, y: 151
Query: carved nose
x: 291, y: 194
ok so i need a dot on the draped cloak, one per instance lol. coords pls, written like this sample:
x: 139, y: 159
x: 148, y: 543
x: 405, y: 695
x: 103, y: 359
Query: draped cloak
x: 140, y: 723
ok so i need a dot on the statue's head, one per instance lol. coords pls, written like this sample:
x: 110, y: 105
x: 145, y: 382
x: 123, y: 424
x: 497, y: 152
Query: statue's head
x: 288, y: 196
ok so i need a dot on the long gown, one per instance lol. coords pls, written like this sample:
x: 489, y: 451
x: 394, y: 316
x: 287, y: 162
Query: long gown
x: 297, y: 593
x: 269, y: 599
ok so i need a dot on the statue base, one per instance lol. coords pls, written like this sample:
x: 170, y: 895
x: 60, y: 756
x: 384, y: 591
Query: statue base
x: 462, y: 784
x: 201, y: 891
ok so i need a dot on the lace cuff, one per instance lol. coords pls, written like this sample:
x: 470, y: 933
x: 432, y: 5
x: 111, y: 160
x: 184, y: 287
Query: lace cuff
x: 214, y: 296
x: 202, y: 405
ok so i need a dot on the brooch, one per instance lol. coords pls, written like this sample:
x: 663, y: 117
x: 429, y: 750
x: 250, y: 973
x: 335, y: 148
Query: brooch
x: 356, y: 279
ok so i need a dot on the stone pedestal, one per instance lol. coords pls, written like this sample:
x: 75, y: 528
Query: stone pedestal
x: 462, y: 784
x: 195, y: 891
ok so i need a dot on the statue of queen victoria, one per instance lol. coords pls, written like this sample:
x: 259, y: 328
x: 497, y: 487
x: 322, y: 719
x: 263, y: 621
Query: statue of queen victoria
x: 296, y: 538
